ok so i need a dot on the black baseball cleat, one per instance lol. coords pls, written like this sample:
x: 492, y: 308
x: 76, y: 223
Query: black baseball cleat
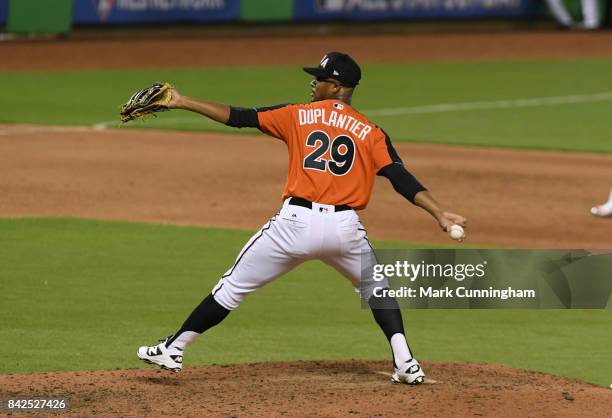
x: 409, y: 373
x: 166, y: 358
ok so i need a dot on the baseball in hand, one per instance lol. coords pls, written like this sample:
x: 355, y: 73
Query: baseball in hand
x: 456, y: 232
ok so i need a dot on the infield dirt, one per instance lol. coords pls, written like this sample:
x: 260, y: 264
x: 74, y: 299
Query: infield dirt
x: 525, y: 199
x: 522, y: 199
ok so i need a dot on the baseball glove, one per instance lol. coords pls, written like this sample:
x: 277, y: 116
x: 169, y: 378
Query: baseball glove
x: 146, y: 102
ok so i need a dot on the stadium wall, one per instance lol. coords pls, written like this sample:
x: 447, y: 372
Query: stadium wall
x: 122, y: 12
x: 413, y: 9
x: 111, y: 12
x: 3, y: 12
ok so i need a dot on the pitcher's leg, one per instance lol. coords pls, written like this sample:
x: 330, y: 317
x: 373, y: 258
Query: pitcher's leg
x: 262, y: 259
x: 355, y: 260
x: 267, y: 255
x: 560, y: 12
x: 205, y: 316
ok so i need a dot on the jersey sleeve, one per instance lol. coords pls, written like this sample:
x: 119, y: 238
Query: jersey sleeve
x: 276, y: 121
x: 383, y: 152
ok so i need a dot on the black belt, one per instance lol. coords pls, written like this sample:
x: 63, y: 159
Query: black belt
x: 298, y: 201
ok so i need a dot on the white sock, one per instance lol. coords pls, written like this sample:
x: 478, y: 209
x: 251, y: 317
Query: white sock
x: 560, y: 12
x: 607, y: 205
x: 184, y: 339
x: 401, y: 352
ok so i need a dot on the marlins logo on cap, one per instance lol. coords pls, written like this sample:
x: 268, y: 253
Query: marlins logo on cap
x: 338, y: 66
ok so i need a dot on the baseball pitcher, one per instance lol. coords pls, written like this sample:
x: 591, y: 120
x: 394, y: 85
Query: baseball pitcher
x: 334, y: 154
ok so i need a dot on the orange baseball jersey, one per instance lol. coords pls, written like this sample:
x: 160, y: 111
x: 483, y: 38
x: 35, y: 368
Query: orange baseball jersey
x: 334, y: 151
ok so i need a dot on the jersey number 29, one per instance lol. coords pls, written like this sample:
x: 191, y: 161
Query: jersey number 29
x: 342, y: 153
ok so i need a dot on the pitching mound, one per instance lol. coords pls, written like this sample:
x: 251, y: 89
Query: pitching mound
x: 321, y: 388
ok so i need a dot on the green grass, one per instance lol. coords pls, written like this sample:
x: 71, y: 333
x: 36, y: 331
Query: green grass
x: 84, y: 294
x: 90, y: 97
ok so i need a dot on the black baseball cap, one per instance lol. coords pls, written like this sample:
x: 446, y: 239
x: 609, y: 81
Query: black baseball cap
x: 338, y: 66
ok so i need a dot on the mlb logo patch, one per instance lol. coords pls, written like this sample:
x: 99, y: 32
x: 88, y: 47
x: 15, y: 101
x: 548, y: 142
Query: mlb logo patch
x: 104, y: 8
x: 338, y: 106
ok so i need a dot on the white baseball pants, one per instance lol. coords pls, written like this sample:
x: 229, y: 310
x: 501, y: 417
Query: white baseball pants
x: 294, y: 235
x: 590, y: 13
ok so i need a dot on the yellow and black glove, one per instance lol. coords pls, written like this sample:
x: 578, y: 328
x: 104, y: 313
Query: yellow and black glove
x: 147, y: 102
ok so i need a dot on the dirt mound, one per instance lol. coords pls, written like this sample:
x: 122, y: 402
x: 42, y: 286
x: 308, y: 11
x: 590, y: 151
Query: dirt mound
x: 325, y: 388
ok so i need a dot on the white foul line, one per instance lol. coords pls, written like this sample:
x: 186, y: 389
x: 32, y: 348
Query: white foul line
x: 162, y: 121
x: 448, y: 107
x: 498, y: 104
